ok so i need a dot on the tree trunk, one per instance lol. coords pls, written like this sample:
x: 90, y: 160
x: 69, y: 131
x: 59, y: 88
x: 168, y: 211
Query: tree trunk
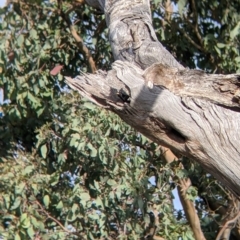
x: 191, y: 112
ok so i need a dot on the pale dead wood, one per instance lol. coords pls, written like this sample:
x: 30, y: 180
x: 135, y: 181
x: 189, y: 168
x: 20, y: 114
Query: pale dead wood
x: 194, y: 126
x: 227, y: 225
x: 189, y: 208
x: 158, y: 238
x: 228, y: 213
x: 217, y: 88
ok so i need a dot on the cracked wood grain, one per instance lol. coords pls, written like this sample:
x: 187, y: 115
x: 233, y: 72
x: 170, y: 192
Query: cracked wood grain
x: 202, y: 129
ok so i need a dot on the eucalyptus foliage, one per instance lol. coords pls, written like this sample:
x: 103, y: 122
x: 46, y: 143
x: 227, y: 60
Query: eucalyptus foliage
x: 70, y: 170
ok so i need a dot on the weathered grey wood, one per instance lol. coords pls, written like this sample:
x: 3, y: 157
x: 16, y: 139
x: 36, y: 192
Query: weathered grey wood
x: 218, y: 88
x: 131, y: 34
x: 189, y: 111
x: 194, y: 126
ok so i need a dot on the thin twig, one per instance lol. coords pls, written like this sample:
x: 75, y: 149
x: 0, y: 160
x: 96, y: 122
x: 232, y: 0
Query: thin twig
x: 54, y: 219
x: 82, y: 47
x: 196, y: 29
x: 226, y: 225
x: 191, y: 41
x: 194, y: 9
x: 164, y: 8
x: 41, y: 68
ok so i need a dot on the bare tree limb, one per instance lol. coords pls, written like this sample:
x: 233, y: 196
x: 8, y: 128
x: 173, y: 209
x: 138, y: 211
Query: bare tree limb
x: 227, y: 225
x: 190, y: 40
x: 188, y: 205
x: 186, y: 113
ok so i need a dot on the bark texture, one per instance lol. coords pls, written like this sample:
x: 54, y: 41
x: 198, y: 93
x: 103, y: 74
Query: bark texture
x: 199, y: 127
x: 189, y: 111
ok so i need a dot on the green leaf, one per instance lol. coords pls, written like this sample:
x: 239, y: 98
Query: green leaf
x: 85, y: 196
x: 60, y: 205
x: 181, y: 5
x: 237, y: 59
x: 99, y: 202
x: 221, y: 45
x: 43, y: 150
x: 33, y: 34
x: 118, y: 193
x: 35, y: 101
x: 143, y: 139
x: 192, y: 193
x: 16, y: 203
x: 111, y: 182
x: 6, y: 200
x: 20, y: 40
x: 94, y: 216
x: 17, y: 237
x: 71, y: 216
x: 235, y: 31
x: 74, y: 139
x: 41, y: 226
x: 36, y: 88
x: 29, y: 169
x: 93, y: 150
x: 112, y: 151
x: 4, y: 24
x: 39, y: 111
x: 34, y: 221
x: 101, y: 223
x: 46, y: 200
x: 140, y: 204
x: 147, y: 219
x: 90, y: 236
x: 61, y: 158
x: 182, y: 173
x: 19, y: 188
x: 14, y: 114
x: 89, y: 105
x: 27, y: 43
x: 30, y: 232
x: 74, y: 207
x: 25, y: 221
x: 47, y: 45
x: 96, y: 185
x: 34, y: 188
x: 54, y: 179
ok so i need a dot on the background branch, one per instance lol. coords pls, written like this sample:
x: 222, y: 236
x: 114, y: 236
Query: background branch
x: 82, y: 47
x: 227, y: 225
x: 188, y: 205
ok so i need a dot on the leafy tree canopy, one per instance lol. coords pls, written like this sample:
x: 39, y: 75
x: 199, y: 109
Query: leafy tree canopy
x: 70, y: 170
